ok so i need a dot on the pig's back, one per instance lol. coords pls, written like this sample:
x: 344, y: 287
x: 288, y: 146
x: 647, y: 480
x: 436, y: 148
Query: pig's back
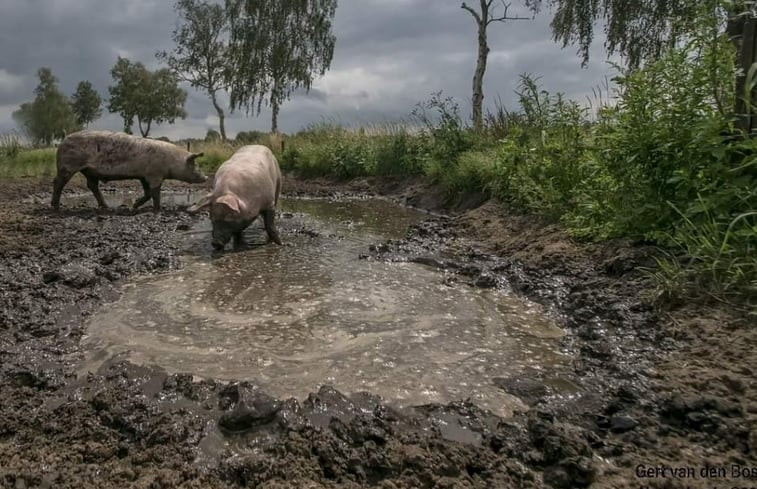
x: 108, y: 153
x: 251, y: 172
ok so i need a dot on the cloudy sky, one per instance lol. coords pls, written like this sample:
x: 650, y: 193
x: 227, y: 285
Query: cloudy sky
x: 389, y: 55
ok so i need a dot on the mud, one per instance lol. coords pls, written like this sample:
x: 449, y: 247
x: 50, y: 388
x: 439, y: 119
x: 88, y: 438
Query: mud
x: 650, y: 386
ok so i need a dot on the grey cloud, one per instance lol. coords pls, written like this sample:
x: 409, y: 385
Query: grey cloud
x: 390, y: 54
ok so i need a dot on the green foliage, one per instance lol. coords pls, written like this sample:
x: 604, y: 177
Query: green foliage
x: 86, y: 103
x: 448, y: 134
x: 473, y: 171
x: 718, y: 256
x: 26, y: 162
x: 249, y: 137
x: 327, y: 149
x: 50, y: 115
x: 539, y: 163
x: 277, y: 47
x: 661, y: 147
x: 641, y: 30
x: 150, y: 97
x: 10, y: 145
x: 212, y: 135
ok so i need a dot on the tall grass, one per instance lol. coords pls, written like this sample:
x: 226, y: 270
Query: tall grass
x: 215, y: 151
x: 17, y: 159
x: 328, y: 149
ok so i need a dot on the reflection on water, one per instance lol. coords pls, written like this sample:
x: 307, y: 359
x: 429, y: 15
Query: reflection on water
x: 309, y: 313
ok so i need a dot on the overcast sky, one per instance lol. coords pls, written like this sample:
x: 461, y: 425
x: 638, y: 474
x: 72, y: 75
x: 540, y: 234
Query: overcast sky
x: 389, y: 55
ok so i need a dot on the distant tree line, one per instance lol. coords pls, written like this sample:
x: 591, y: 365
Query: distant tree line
x: 256, y: 51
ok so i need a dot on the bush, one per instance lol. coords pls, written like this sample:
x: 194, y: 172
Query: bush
x: 212, y: 135
x: 249, y: 137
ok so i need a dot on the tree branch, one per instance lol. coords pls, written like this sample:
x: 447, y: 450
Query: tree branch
x: 472, y: 12
x: 504, y: 16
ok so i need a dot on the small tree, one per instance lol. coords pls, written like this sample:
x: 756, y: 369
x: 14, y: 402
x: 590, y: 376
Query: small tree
x: 484, y: 16
x: 86, y: 103
x: 200, y: 55
x: 212, y: 135
x: 277, y: 46
x: 50, y: 115
x: 150, y: 97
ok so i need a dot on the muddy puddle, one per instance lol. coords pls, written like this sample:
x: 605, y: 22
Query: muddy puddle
x: 310, y: 313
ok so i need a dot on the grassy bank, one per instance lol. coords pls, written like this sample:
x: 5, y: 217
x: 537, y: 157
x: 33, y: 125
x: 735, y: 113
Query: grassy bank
x: 662, y: 165
x: 18, y: 160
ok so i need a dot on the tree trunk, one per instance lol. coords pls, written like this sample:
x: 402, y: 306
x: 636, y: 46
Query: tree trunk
x: 274, y: 117
x: 145, y: 131
x: 221, y: 116
x: 478, y: 77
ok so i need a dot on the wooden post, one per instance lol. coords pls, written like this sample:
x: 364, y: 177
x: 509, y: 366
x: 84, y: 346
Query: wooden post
x: 188, y: 145
x: 744, y: 108
x: 283, y: 145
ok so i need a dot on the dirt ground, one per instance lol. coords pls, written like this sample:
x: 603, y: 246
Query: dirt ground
x: 664, y: 394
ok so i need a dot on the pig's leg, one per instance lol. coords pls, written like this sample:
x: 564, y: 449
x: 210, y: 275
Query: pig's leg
x: 94, y: 185
x: 61, y: 179
x: 155, y: 193
x: 147, y: 196
x: 238, y: 240
x: 270, y: 228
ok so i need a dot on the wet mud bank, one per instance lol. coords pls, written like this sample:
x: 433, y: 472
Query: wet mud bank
x: 649, y: 387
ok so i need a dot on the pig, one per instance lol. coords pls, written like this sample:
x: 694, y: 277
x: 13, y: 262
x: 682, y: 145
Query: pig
x: 246, y: 185
x: 106, y: 156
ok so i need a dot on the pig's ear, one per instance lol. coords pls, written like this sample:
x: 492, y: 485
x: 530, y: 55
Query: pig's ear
x: 230, y: 201
x: 201, y: 204
x: 193, y: 157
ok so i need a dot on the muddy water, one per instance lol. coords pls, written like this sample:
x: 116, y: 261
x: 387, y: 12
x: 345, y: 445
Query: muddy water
x: 309, y: 313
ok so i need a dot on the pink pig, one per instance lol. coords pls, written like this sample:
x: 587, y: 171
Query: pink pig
x: 246, y: 185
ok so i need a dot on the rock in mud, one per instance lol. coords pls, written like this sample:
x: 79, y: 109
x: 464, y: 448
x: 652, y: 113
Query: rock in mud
x: 622, y: 424
x: 329, y: 403
x: 571, y: 473
x: 564, y: 451
x: 528, y: 390
x: 485, y: 281
x: 698, y: 412
x: 74, y: 275
x: 253, y: 408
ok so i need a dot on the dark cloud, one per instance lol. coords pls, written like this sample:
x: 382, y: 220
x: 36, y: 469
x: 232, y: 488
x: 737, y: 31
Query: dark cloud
x: 390, y: 54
